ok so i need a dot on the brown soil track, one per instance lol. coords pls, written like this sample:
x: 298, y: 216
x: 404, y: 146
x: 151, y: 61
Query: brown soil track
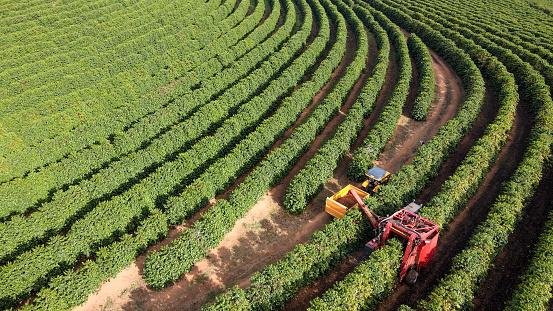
x: 512, y: 261
x: 407, y: 134
x: 459, y: 231
x: 265, y: 234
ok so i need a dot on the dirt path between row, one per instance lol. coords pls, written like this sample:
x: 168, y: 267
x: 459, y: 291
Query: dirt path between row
x: 262, y: 236
x: 449, y: 94
x: 459, y: 231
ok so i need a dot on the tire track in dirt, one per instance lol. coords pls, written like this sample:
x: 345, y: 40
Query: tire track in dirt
x: 449, y: 94
x: 513, y: 260
x: 224, y: 265
x: 459, y: 231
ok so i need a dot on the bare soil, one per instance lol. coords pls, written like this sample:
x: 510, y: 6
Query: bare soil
x: 459, y: 231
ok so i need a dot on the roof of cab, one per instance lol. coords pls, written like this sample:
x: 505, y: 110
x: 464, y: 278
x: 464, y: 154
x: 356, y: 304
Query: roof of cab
x: 376, y: 172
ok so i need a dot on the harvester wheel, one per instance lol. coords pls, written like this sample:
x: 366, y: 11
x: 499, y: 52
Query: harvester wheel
x: 411, y: 277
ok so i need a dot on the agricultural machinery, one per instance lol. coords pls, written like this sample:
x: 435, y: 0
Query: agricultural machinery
x: 419, y: 234
x: 376, y: 176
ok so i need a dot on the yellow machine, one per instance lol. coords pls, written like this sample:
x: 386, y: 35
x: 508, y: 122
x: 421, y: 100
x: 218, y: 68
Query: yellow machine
x: 376, y: 176
x: 338, y: 204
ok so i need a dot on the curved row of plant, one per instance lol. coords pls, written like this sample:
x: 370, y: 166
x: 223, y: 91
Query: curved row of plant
x: 472, y: 264
x: 91, y: 102
x: 21, y: 233
x: 120, y: 214
x: 65, y: 27
x: 45, y: 89
x: 370, y: 282
x: 139, y: 34
x: 487, y: 24
x: 469, y: 30
x: 426, y: 82
x: 534, y: 292
x: 308, y: 260
x: 19, y: 158
x: 310, y: 180
x: 455, y: 192
x: 278, y: 282
x: 172, y: 261
x: 20, y: 195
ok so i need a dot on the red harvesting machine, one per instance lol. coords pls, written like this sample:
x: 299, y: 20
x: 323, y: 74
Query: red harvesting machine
x: 420, y: 234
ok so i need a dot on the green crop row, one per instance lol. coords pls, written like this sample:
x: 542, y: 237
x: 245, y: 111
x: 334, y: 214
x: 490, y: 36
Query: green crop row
x: 67, y: 27
x: 366, y: 285
x: 469, y: 30
x: 67, y: 206
x: 171, y: 261
x: 384, y: 127
x: 72, y: 81
x: 534, y: 292
x: 72, y: 288
x: 426, y: 88
x: 279, y: 281
x: 19, y: 195
x: 19, y: 158
x: 426, y: 163
x: 110, y: 218
x: 485, y: 26
x: 318, y: 169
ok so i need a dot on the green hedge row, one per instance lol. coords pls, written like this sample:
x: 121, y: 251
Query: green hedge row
x: 534, y: 292
x: 426, y: 163
x: 73, y: 287
x: 318, y: 169
x: 69, y: 22
x: 110, y: 219
x: 468, y: 29
x: 177, y: 258
x: 384, y: 128
x: 18, y: 157
x: 426, y: 88
x: 21, y: 233
x: 21, y: 194
x: 366, y: 285
x: 75, y: 84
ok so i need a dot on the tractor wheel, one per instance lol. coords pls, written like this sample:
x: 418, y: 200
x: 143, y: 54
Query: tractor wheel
x: 411, y: 277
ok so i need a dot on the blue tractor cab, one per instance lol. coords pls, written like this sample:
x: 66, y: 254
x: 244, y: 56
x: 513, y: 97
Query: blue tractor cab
x: 376, y: 176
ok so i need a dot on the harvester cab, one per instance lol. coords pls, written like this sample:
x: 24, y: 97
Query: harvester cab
x: 420, y: 235
x: 376, y: 176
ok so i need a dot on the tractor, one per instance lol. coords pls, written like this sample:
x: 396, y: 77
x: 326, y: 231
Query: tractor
x: 419, y: 234
x: 376, y: 176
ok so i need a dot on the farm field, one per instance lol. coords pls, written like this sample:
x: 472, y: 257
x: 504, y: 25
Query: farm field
x: 179, y: 155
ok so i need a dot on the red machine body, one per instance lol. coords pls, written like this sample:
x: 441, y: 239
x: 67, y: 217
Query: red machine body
x: 420, y: 233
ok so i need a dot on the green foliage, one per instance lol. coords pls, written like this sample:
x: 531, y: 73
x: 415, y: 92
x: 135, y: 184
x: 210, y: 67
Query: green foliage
x: 366, y: 285
x: 534, y: 291
x: 266, y: 174
x: 425, y: 92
